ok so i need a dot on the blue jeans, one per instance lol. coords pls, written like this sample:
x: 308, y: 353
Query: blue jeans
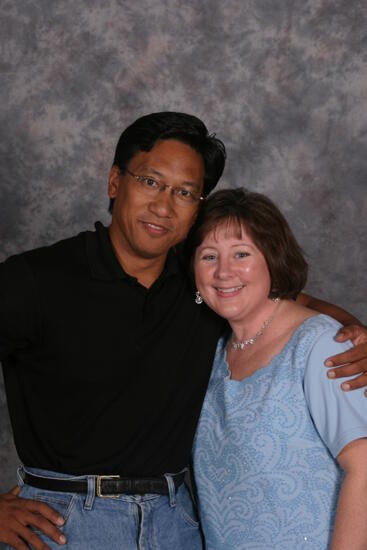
x: 128, y: 522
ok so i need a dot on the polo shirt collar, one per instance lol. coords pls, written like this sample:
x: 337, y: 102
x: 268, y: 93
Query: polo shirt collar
x: 105, y: 266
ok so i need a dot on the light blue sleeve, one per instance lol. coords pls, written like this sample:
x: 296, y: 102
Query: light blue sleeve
x: 340, y: 417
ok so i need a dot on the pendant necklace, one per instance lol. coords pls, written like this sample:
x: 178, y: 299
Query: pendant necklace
x: 252, y: 340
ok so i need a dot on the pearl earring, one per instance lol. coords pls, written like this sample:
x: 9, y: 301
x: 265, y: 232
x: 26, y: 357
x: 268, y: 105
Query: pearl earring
x: 198, y: 298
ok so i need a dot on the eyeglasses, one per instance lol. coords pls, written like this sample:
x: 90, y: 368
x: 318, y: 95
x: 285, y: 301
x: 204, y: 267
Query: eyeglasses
x: 181, y: 195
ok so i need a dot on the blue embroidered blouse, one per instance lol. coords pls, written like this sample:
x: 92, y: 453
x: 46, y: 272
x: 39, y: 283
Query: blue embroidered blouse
x: 265, y: 448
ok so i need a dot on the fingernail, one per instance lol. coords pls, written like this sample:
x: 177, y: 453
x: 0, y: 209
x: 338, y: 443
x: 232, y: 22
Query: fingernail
x: 60, y: 521
x: 62, y: 539
x: 345, y: 386
x: 329, y: 363
x: 331, y: 374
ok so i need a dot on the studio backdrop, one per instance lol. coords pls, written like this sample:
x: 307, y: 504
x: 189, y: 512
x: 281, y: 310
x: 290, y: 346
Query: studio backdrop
x: 282, y: 82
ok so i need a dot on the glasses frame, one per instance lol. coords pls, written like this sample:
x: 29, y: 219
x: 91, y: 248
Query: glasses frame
x: 162, y: 187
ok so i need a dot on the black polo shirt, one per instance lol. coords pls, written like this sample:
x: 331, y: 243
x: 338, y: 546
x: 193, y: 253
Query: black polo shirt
x: 102, y: 375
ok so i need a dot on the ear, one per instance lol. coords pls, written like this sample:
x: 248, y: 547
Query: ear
x: 114, y: 181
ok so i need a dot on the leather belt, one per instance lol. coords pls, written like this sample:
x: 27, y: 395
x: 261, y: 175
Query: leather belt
x: 106, y: 486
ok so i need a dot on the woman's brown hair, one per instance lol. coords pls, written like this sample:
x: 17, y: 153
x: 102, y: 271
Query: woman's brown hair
x: 267, y: 227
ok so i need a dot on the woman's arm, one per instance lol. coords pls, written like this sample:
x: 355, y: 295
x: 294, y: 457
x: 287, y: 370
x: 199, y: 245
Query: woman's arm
x: 341, y: 421
x: 350, y: 529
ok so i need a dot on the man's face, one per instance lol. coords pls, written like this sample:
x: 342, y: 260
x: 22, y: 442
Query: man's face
x: 146, y: 226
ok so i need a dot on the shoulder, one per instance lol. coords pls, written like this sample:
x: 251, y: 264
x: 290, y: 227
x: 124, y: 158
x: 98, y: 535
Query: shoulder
x: 312, y: 341
x: 323, y: 330
x: 57, y: 252
x: 47, y: 257
x: 303, y: 325
x: 319, y: 338
x: 42, y: 267
x: 319, y: 331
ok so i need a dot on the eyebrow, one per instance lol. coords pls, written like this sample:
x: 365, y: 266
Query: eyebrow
x: 213, y: 247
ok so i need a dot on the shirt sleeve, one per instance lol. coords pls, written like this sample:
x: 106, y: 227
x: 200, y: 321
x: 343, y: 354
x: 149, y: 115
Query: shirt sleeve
x: 19, y: 308
x: 340, y: 417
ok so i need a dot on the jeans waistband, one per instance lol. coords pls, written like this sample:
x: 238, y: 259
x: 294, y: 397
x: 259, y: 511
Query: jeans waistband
x: 102, y: 485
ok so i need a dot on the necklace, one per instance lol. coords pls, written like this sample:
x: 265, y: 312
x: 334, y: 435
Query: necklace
x: 252, y: 340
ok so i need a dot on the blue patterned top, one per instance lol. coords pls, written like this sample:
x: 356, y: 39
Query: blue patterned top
x: 265, y: 446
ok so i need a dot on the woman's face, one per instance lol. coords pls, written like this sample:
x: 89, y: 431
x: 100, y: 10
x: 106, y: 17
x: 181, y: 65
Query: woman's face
x: 231, y: 273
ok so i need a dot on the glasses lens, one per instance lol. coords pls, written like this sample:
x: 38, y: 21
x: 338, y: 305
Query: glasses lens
x: 181, y: 195
x: 149, y: 184
x: 184, y: 197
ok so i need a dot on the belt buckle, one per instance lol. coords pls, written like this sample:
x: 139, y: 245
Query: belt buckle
x: 99, y: 481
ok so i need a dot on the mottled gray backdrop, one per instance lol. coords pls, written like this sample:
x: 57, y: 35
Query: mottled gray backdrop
x: 282, y: 82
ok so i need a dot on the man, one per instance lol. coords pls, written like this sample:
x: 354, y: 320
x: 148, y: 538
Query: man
x: 106, y: 357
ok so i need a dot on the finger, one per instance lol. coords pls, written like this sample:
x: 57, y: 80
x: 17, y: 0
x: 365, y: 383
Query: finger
x: 16, y: 543
x: 31, y: 538
x: 349, y: 332
x: 15, y: 491
x: 346, y: 370
x: 45, y: 511
x: 359, y: 382
x: 47, y: 528
x: 36, y: 543
x: 349, y: 356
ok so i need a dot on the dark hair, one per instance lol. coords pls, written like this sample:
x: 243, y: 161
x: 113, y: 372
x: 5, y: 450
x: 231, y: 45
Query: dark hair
x: 142, y: 134
x: 267, y: 227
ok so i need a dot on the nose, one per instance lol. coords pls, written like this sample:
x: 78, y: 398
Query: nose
x: 162, y: 203
x: 223, y: 269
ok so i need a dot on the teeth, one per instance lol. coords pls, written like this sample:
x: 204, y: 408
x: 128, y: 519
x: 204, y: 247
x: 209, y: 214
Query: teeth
x: 158, y: 227
x: 229, y: 290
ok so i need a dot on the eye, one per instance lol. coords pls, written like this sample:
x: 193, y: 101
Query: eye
x: 241, y: 254
x: 208, y: 257
x: 184, y: 193
x: 149, y: 182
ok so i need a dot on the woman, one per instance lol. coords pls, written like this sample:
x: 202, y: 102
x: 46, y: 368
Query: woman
x: 275, y: 437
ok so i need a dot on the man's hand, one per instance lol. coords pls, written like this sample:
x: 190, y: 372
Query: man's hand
x: 17, y: 515
x: 354, y: 360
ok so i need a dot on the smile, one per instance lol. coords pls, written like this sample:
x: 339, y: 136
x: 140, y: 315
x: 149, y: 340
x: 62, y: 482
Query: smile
x: 154, y: 229
x: 231, y: 290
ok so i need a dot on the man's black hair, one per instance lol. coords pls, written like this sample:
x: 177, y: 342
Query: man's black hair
x: 142, y: 135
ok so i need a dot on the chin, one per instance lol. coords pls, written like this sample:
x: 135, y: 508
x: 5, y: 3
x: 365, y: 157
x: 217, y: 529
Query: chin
x: 228, y: 315
x: 146, y: 250
x: 150, y: 254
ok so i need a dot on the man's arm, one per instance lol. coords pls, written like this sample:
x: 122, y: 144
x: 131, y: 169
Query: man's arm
x: 18, y: 515
x: 350, y: 529
x: 18, y: 328
x: 338, y: 313
x: 353, y: 361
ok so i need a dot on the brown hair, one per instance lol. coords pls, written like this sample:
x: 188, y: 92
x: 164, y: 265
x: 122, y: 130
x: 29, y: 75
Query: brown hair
x: 267, y: 227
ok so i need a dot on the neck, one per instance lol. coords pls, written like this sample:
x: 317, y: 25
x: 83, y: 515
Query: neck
x: 145, y: 270
x: 253, y: 323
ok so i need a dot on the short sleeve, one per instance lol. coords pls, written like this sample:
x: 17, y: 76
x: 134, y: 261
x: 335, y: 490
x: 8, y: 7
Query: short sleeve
x: 340, y: 417
x: 19, y: 309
